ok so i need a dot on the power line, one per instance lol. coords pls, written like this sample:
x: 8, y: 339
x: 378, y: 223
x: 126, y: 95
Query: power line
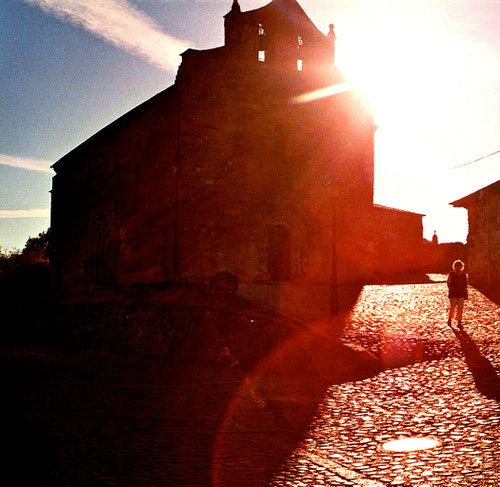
x: 406, y: 178
x: 476, y: 160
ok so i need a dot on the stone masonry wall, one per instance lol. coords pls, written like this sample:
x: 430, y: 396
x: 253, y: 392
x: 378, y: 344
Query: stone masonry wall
x: 251, y: 160
x: 121, y: 182
x: 484, y: 239
x: 222, y: 171
x: 398, y: 240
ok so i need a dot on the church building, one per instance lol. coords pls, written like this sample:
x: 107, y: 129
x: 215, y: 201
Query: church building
x: 229, y: 169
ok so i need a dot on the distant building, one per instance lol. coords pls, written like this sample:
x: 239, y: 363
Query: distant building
x: 439, y: 257
x: 483, y: 240
x: 224, y: 172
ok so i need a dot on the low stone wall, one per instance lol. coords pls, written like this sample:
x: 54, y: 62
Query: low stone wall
x: 136, y: 326
x: 196, y: 328
x: 207, y: 325
x: 305, y: 301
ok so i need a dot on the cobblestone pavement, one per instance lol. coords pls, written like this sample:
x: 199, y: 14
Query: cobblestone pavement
x: 450, y: 392
x: 94, y: 418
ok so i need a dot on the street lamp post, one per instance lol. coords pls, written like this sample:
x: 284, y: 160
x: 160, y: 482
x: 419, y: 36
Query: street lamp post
x: 334, y: 284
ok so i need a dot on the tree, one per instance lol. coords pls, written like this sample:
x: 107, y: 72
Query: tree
x: 38, y: 248
x: 40, y: 243
x: 9, y: 260
x: 36, y: 251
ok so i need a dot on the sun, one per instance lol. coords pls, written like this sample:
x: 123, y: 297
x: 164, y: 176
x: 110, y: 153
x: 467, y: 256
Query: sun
x: 405, y: 63
x: 430, y: 72
x: 409, y: 63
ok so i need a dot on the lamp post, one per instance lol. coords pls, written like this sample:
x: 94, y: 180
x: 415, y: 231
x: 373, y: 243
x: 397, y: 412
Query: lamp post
x: 334, y: 191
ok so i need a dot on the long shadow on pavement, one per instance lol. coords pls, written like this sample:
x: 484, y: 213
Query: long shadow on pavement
x: 271, y: 413
x: 97, y: 418
x: 485, y: 376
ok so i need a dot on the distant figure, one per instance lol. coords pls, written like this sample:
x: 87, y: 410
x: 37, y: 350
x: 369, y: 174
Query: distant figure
x: 457, y: 292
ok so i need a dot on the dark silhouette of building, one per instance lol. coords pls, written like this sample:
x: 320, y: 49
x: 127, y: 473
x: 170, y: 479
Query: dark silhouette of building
x: 483, y: 240
x: 224, y: 172
x: 399, y: 242
x: 439, y: 257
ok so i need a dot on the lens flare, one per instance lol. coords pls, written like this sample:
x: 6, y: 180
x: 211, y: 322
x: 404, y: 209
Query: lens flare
x: 323, y: 92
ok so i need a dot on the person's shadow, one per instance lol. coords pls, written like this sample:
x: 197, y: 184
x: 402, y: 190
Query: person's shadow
x: 485, y: 376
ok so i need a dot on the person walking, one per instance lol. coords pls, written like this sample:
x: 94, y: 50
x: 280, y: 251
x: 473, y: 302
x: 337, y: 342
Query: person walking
x: 457, y: 292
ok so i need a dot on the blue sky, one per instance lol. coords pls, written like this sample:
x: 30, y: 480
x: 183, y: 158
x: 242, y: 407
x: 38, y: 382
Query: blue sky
x: 430, y: 67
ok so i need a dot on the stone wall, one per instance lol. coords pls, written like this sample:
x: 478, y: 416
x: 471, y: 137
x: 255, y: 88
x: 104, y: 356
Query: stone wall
x: 113, y: 202
x: 399, y: 242
x: 438, y: 258
x: 267, y: 163
x: 483, y: 240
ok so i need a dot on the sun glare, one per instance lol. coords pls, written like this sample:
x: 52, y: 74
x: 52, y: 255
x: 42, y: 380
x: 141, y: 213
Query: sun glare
x: 323, y: 92
x: 430, y: 75
x: 405, y: 64
x: 428, y: 78
x: 410, y: 444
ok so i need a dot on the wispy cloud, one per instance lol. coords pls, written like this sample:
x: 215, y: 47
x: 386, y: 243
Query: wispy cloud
x: 121, y: 24
x: 31, y: 213
x: 26, y: 163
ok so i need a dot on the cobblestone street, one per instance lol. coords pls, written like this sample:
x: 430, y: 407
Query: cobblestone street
x: 442, y: 396
x: 92, y: 418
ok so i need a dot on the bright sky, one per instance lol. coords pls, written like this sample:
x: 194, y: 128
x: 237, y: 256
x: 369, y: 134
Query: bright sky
x: 431, y: 69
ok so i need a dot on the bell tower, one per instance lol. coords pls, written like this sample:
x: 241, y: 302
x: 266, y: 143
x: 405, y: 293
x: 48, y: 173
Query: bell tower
x: 280, y: 35
x: 232, y: 25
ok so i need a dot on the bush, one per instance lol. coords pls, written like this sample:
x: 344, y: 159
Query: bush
x: 24, y: 275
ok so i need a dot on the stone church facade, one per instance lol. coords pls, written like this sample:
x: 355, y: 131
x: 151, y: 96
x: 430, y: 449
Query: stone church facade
x: 224, y: 171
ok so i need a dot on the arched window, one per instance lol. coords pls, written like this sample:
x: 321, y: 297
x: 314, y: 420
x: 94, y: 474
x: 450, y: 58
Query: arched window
x: 98, y: 268
x: 279, y: 253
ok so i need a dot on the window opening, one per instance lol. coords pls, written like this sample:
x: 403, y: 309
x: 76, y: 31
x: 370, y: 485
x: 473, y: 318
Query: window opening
x: 300, y: 44
x: 262, y: 44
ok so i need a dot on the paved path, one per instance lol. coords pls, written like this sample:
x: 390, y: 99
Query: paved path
x: 450, y: 395
x: 95, y: 418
